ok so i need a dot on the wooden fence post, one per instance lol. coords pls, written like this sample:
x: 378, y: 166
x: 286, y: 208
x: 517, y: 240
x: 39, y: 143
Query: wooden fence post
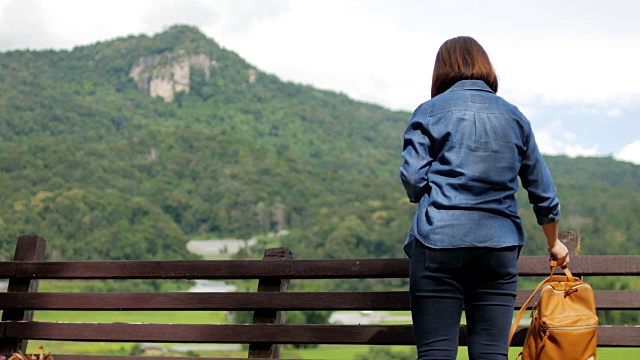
x: 270, y: 284
x: 571, y: 239
x: 29, y: 248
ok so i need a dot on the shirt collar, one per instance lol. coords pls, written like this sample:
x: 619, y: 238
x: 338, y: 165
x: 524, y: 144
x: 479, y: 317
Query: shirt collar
x: 470, y: 85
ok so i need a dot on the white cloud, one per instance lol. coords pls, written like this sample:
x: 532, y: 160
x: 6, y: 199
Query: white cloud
x: 549, y: 143
x: 591, y: 108
x: 615, y: 112
x: 630, y: 153
x: 579, y: 150
x: 24, y: 24
x: 568, y: 70
x: 554, y: 139
x: 584, y: 109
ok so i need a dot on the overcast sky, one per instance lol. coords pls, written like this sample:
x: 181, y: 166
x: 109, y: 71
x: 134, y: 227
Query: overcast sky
x: 571, y: 66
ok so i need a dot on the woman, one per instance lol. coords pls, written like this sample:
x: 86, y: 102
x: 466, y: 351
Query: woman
x: 463, y: 153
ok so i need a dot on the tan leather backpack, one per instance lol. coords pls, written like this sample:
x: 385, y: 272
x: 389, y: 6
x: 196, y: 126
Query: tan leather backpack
x: 563, y: 322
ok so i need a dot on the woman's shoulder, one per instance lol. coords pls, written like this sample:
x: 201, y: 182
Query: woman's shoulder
x: 472, y: 101
x: 507, y: 105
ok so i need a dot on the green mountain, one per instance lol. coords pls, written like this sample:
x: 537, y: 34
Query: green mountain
x: 127, y: 148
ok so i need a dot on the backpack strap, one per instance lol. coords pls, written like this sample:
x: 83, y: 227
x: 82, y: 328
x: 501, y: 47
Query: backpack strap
x: 523, y: 309
x: 552, y: 266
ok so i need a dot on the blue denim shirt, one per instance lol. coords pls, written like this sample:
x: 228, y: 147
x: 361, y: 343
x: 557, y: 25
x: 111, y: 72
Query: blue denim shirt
x: 463, y: 153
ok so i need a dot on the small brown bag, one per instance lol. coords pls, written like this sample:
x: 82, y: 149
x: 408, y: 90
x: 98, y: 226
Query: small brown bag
x: 563, y: 322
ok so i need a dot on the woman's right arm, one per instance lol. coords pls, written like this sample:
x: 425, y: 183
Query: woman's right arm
x: 536, y: 179
x: 556, y: 248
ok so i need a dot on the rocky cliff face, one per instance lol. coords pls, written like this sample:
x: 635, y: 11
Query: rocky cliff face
x: 164, y: 75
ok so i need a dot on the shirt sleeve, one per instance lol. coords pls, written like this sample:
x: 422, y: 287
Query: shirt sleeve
x: 536, y: 179
x: 417, y: 160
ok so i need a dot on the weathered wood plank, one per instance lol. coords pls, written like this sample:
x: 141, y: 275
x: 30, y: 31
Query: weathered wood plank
x: 208, y: 301
x: 583, y: 265
x: 298, y: 269
x: 204, y: 333
x: 390, y: 300
x: 220, y: 269
x: 8, y: 269
x: 623, y: 336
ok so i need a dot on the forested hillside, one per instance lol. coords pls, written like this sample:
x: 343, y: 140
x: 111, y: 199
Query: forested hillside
x: 125, y: 149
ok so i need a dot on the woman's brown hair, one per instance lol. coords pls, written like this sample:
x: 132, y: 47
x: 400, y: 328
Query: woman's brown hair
x: 461, y: 58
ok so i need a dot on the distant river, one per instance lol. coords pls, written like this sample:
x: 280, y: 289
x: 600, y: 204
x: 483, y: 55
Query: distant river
x: 216, y: 250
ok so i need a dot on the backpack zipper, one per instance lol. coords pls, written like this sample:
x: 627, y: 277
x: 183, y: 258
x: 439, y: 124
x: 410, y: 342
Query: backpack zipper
x: 583, y: 327
x: 570, y: 290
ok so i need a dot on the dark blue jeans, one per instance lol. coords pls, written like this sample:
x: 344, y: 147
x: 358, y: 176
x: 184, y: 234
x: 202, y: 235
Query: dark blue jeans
x: 483, y: 281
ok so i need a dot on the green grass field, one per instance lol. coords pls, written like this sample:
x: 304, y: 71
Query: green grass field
x: 152, y: 317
